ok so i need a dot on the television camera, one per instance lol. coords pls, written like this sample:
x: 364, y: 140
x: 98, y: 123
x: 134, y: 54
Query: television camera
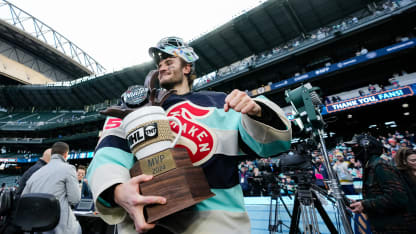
x: 306, y: 105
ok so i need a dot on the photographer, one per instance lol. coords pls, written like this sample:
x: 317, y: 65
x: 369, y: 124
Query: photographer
x: 385, y: 198
x: 256, y: 182
x: 245, y: 185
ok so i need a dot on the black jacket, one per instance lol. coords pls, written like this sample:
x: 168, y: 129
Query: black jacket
x: 25, y: 177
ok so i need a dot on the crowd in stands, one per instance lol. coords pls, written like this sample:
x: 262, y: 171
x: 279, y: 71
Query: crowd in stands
x: 375, y: 9
x: 261, y: 177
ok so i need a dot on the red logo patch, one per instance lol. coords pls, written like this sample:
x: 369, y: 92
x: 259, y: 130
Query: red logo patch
x: 196, y: 138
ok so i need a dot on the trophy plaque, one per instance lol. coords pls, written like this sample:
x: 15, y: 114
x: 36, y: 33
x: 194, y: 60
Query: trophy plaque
x: 175, y: 178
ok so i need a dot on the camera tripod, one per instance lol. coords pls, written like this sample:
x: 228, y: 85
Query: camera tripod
x: 306, y: 104
x: 275, y: 224
x: 306, y: 201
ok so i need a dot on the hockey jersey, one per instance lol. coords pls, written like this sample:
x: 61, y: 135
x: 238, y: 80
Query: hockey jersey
x: 214, y: 140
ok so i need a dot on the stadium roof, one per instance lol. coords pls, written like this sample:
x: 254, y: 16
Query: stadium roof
x: 29, y: 33
x: 265, y: 27
x: 260, y: 29
x: 22, y: 39
x: 92, y: 91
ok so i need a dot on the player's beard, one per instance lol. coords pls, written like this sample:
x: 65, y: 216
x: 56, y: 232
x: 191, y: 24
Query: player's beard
x: 175, y: 79
x: 170, y: 84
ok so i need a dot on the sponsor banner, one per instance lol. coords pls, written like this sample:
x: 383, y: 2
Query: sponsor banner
x: 281, y: 84
x: 369, y: 99
x: 260, y: 90
x: 340, y: 65
x: 8, y: 159
x: 71, y: 156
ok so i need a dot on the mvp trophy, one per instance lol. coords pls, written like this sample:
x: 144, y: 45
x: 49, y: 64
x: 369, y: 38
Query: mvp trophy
x: 151, y: 140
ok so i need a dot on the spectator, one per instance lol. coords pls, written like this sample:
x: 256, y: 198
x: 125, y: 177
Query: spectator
x: 372, y: 88
x: 58, y: 178
x: 363, y: 50
x: 393, y: 81
x: 393, y: 146
x: 409, y: 136
x: 83, y: 183
x: 327, y: 100
x: 320, y: 172
x: 406, y: 163
x: 382, y: 88
x: 344, y: 175
x: 385, y: 197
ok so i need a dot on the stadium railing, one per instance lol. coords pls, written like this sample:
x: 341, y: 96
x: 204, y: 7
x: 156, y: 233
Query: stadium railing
x: 45, y: 120
x: 72, y: 137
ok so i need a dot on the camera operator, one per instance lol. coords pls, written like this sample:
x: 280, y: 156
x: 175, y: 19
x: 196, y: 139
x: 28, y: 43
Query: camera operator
x: 256, y: 182
x: 385, y: 197
x: 269, y: 180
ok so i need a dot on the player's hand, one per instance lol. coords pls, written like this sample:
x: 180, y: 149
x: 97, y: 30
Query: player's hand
x: 241, y: 102
x: 127, y: 195
x: 357, y: 207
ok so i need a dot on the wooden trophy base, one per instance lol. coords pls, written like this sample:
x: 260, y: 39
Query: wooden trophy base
x: 183, y: 186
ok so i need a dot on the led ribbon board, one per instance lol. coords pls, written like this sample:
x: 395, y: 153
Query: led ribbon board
x: 370, y: 99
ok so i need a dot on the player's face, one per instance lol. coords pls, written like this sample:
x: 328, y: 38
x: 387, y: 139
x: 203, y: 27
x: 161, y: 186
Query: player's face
x: 170, y: 72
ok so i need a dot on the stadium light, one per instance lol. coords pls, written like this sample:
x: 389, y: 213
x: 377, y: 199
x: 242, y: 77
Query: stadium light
x: 406, y: 113
x: 405, y: 105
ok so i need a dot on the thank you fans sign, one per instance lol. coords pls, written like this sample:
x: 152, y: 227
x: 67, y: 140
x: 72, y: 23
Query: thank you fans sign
x: 369, y: 99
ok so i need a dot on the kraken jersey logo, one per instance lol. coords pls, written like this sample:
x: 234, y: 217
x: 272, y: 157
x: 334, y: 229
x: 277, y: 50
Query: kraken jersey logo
x: 198, y: 139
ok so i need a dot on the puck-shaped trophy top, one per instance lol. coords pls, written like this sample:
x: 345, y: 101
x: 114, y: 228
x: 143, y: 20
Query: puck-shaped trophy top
x: 134, y: 96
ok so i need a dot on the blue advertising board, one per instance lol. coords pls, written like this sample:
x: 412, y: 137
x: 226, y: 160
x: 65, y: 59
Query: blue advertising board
x: 71, y: 156
x: 371, y: 99
x: 340, y: 65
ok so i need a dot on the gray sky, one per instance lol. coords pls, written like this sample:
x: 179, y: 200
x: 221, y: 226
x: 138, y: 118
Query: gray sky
x: 118, y: 33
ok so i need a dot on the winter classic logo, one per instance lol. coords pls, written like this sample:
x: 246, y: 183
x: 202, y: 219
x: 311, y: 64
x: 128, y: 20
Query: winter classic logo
x: 197, y: 139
